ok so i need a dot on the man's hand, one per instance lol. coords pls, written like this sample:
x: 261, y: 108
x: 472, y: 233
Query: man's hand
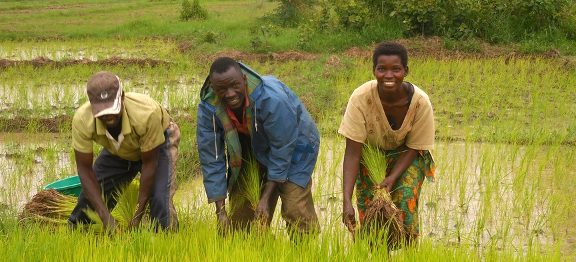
x: 349, y: 217
x: 224, y: 224
x: 110, y: 224
x: 134, y: 222
x: 261, y: 212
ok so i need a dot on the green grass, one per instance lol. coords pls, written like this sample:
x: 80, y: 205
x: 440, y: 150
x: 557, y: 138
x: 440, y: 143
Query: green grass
x: 96, y: 20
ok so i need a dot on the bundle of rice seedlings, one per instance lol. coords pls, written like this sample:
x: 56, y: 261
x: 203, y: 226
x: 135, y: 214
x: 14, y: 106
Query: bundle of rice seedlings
x: 251, y: 182
x: 48, y: 206
x: 53, y: 208
x: 251, y: 185
x: 126, y: 204
x: 382, y: 218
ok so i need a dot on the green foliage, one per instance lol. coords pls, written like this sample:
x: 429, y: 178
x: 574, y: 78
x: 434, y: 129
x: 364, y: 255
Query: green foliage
x: 339, y: 15
x: 341, y: 24
x: 192, y: 11
x: 291, y: 12
x: 497, y: 21
x: 467, y: 45
x: 352, y: 15
x: 210, y: 37
x: 493, y: 20
x: 260, y: 36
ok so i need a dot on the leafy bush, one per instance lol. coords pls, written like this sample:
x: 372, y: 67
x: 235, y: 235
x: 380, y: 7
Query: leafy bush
x: 496, y: 21
x: 493, y: 20
x: 339, y: 24
x: 291, y: 12
x: 260, y: 36
x: 192, y: 11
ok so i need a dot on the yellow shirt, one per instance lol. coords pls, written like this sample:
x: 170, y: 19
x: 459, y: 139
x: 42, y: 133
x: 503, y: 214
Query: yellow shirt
x: 365, y: 121
x: 143, y: 125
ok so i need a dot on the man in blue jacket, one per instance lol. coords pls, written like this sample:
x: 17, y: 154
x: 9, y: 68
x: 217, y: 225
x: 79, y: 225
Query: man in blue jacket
x: 256, y: 117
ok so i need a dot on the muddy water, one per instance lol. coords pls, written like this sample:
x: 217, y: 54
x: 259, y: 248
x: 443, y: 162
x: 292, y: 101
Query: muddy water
x: 483, y: 194
x: 180, y: 92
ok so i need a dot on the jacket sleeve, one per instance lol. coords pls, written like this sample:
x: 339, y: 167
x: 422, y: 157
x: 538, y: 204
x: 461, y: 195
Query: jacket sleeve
x: 209, y: 136
x: 280, y: 124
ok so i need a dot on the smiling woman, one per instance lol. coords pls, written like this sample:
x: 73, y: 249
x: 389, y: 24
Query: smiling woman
x: 396, y: 117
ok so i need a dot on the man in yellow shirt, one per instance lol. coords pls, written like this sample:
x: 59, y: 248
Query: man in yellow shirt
x: 137, y: 136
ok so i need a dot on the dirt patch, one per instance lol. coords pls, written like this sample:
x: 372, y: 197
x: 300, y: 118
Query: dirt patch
x: 112, y: 61
x: 57, y: 124
x: 276, y: 57
x: 59, y: 7
x: 185, y: 46
x: 357, y: 52
x: 48, y: 124
x: 433, y: 47
x: 43, y: 9
x: 333, y: 62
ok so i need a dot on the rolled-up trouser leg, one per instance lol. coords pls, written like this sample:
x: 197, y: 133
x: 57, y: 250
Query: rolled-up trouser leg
x: 112, y: 173
x: 162, y: 210
x: 298, y: 208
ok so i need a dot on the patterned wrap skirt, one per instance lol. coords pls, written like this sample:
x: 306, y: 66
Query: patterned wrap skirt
x: 405, y: 192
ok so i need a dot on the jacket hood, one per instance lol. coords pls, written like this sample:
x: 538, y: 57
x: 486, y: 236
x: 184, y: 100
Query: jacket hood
x: 254, y: 80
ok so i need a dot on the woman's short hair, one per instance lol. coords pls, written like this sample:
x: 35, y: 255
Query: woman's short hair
x: 390, y: 48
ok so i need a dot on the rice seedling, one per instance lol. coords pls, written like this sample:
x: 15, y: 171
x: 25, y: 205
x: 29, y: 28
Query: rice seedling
x: 382, y: 216
x: 123, y: 212
x: 251, y: 182
x: 48, y: 206
x: 490, y: 201
x: 53, y: 208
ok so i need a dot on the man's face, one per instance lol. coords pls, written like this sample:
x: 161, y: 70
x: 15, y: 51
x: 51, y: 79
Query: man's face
x: 230, y: 87
x: 110, y: 121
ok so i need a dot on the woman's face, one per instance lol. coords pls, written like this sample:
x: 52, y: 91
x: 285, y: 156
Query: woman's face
x: 389, y: 71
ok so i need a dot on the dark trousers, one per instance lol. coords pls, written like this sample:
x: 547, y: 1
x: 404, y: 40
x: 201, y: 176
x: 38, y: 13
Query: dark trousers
x: 114, y: 173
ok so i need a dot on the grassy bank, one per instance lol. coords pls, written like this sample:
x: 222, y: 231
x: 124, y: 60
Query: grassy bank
x: 231, y: 25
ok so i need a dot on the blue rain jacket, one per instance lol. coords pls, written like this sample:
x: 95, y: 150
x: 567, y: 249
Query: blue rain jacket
x: 284, y: 138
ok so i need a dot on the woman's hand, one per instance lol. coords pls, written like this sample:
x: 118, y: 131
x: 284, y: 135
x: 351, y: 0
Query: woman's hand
x: 349, y: 217
x: 388, y: 183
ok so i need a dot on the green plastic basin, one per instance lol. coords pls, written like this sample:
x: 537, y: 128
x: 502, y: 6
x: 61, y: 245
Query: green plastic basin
x: 68, y: 186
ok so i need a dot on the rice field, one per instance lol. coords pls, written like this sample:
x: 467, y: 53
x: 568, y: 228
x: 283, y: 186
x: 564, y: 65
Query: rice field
x: 505, y: 157
x: 505, y: 139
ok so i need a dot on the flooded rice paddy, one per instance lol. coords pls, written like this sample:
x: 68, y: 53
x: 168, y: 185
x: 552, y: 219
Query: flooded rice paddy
x: 484, y: 194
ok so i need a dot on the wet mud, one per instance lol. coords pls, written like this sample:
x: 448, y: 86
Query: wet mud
x: 112, y: 61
